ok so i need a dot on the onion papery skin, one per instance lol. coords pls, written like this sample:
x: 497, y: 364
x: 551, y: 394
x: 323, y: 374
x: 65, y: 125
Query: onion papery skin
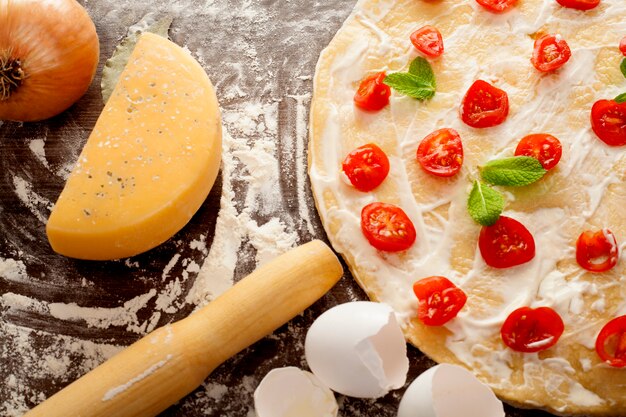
x: 57, y: 46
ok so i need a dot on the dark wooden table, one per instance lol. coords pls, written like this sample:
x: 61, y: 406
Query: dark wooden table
x: 264, y: 49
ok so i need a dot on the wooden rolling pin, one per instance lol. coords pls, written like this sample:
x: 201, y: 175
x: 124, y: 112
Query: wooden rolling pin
x: 167, y: 364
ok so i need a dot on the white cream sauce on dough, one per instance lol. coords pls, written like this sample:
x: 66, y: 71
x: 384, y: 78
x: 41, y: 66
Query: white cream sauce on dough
x: 586, y: 191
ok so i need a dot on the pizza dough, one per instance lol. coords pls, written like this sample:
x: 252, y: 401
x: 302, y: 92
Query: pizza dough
x: 585, y: 191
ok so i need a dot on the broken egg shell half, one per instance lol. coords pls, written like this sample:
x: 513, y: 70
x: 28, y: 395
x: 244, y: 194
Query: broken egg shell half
x: 449, y: 391
x: 290, y: 391
x: 358, y: 349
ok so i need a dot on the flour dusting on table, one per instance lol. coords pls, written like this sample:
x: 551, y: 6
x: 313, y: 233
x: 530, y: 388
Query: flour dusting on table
x: 113, y: 392
x: 60, y: 318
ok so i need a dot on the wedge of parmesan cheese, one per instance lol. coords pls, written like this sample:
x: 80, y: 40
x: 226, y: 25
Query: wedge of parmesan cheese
x: 149, y: 163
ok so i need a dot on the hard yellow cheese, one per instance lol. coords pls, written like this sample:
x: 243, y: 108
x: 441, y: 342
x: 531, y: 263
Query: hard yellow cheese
x: 149, y: 163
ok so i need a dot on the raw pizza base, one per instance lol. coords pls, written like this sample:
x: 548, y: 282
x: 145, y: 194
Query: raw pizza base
x: 586, y: 191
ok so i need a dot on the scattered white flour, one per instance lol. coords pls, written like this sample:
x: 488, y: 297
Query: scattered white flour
x: 265, y: 207
x: 57, y: 366
x: 37, y: 146
x: 302, y: 104
x: 253, y: 161
x: 38, y: 205
x: 59, y: 358
x: 125, y: 315
x: 18, y: 303
x: 167, y: 298
x: 13, y: 270
x: 113, y: 392
x: 169, y: 266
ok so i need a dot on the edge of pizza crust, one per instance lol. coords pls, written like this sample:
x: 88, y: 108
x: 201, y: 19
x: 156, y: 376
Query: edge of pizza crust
x: 347, y: 44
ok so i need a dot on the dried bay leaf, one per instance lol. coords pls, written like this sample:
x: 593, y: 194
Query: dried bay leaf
x: 115, y: 65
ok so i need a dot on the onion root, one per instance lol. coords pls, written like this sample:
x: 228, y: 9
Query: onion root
x: 11, y: 75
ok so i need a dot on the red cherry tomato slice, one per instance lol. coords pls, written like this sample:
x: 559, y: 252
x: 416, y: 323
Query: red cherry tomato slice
x: 439, y: 300
x: 484, y: 105
x: 366, y: 167
x: 551, y: 53
x: 373, y: 94
x: 497, y: 6
x: 546, y: 148
x: 608, y: 120
x: 622, y: 46
x: 441, y: 153
x: 428, y: 40
x: 532, y: 329
x: 597, y: 251
x: 506, y: 243
x: 387, y: 227
x: 611, y: 342
x: 579, y: 4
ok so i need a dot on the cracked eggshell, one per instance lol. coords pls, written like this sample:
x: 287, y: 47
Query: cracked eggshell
x: 358, y: 349
x: 288, y: 392
x: 449, y: 391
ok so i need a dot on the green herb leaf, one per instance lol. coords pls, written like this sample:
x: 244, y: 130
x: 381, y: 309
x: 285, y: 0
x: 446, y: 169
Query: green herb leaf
x: 421, y: 68
x: 115, y: 65
x: 516, y: 171
x: 410, y: 85
x: 623, y: 67
x: 621, y: 98
x: 418, y: 83
x: 485, y: 204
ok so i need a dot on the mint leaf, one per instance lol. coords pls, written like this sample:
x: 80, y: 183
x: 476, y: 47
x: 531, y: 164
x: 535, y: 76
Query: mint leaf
x: 516, y: 171
x: 418, y: 83
x: 623, y: 67
x: 410, y: 85
x: 485, y: 204
x: 421, y: 68
x: 620, y: 99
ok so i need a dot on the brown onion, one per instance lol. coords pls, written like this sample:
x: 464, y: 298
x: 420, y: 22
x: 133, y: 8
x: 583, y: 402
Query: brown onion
x: 49, y: 53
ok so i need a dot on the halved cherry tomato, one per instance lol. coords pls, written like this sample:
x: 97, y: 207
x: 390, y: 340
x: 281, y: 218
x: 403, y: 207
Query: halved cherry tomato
x: 506, y: 243
x: 387, y: 227
x: 579, y: 4
x: 546, y: 148
x: 439, y: 300
x: 613, y: 337
x: 597, y: 251
x: 366, y: 167
x: 373, y: 94
x: 428, y: 40
x: 497, y: 6
x: 551, y: 53
x: 484, y: 105
x: 608, y: 120
x: 532, y: 329
x: 441, y: 153
x: 622, y: 46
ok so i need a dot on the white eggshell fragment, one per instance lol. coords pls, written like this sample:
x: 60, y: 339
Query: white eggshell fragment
x: 449, y: 391
x: 358, y: 349
x: 291, y: 392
